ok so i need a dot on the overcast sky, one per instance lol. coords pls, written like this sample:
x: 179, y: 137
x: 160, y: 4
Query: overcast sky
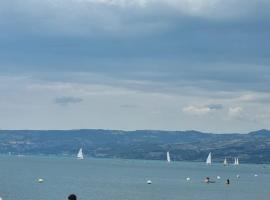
x: 135, y: 64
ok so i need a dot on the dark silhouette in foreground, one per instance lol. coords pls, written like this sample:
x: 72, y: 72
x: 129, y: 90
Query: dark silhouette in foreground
x: 72, y: 197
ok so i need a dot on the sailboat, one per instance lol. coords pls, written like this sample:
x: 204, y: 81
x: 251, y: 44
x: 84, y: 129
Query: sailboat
x: 168, y: 157
x: 236, y: 161
x: 225, y: 162
x: 80, y: 154
x: 209, y: 159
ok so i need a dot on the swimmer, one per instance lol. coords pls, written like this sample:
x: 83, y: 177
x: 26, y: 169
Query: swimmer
x: 207, y: 180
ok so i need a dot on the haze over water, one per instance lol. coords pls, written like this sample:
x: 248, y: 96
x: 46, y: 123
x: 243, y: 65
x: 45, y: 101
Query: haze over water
x: 104, y: 179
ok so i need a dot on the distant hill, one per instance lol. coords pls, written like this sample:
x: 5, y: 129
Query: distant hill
x: 253, y: 147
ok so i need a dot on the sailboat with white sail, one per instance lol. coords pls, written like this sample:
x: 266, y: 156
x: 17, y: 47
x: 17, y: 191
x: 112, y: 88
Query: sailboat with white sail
x: 168, y: 157
x: 236, y: 161
x: 80, y: 155
x: 209, y: 159
x: 225, y: 162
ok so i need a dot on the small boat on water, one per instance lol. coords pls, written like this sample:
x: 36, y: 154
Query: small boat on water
x: 80, y: 155
x: 149, y: 182
x: 225, y: 162
x: 209, y: 159
x: 236, y: 161
x: 168, y: 157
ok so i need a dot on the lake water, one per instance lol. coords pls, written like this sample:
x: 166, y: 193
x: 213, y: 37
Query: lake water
x: 112, y: 179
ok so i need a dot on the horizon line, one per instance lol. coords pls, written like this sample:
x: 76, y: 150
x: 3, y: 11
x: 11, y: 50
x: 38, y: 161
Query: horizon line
x: 159, y: 130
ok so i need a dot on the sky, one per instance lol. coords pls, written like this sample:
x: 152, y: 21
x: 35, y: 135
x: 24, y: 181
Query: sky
x: 135, y: 64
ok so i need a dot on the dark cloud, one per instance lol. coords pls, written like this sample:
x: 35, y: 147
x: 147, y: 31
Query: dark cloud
x: 66, y: 100
x: 215, y: 106
x: 165, y: 43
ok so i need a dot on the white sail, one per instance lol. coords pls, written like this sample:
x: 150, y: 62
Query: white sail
x: 225, y: 162
x: 80, y: 154
x: 209, y: 159
x: 168, y: 156
x: 236, y: 161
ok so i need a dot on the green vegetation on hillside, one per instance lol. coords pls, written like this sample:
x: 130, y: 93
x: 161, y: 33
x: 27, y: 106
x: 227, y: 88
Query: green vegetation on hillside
x: 145, y: 144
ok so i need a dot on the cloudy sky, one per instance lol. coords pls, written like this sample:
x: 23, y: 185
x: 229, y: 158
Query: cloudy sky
x: 135, y: 64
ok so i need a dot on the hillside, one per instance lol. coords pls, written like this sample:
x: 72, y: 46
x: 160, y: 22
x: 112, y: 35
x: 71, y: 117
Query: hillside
x: 144, y: 144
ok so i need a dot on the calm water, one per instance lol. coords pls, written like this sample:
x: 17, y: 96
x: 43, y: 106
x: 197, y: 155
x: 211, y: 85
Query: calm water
x: 106, y: 179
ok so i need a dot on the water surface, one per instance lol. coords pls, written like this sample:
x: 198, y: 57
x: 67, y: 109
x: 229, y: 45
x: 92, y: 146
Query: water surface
x: 112, y: 179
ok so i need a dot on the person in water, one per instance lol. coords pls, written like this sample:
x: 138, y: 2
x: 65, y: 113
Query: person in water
x: 228, y: 181
x: 207, y: 180
x: 72, y: 197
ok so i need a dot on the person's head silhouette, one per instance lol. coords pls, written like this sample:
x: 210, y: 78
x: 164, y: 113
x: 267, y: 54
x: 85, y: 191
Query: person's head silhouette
x: 72, y: 197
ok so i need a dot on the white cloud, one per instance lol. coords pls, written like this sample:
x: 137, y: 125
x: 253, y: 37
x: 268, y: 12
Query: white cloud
x: 202, y: 110
x: 253, y: 98
x: 247, y: 97
x: 193, y: 110
x: 235, y: 112
x: 32, y: 103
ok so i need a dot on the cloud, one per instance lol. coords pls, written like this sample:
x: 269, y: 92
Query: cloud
x: 247, y: 97
x: 255, y: 97
x: 202, y: 110
x: 28, y: 99
x: 235, y: 112
x: 215, y: 106
x: 93, y: 17
x: 240, y: 115
x: 137, y: 39
x: 183, y: 51
x: 77, y: 18
x: 193, y: 110
x: 66, y: 100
